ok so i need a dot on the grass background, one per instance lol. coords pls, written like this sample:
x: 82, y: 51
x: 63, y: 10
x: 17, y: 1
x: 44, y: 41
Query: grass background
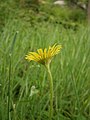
x: 70, y: 71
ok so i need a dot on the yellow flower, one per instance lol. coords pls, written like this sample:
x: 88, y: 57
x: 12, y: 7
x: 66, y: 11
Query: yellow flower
x: 44, y: 56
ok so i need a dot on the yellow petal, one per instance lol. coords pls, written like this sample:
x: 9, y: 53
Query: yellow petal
x: 56, y: 50
x: 40, y: 52
x: 31, y: 57
x: 45, y: 54
x: 49, y: 52
x: 36, y: 55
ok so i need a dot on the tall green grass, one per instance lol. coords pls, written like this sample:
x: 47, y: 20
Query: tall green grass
x: 70, y: 71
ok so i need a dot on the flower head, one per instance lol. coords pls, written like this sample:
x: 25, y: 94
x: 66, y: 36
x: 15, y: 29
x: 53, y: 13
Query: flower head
x: 44, y: 56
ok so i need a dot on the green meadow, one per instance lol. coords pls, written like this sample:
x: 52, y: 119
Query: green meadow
x: 70, y: 71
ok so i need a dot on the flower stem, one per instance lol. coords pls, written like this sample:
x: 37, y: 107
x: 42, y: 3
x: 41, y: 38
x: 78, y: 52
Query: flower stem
x: 51, y: 90
x: 8, y: 114
x: 9, y: 79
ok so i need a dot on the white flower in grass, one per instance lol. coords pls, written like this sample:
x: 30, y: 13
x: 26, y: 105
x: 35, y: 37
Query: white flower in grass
x: 33, y: 91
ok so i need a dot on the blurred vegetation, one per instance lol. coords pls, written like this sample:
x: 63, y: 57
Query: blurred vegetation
x: 35, y: 12
x: 70, y: 70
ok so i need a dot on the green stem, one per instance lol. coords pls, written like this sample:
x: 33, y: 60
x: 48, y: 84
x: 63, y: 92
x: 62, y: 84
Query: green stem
x: 9, y: 80
x: 51, y: 90
x: 8, y: 118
